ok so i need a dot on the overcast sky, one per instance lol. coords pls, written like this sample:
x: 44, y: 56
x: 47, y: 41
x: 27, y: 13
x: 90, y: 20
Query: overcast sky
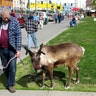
x: 62, y: 1
x: 68, y: 1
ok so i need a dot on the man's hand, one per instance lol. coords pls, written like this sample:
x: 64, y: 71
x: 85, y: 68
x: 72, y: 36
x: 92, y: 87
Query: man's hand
x: 17, y: 54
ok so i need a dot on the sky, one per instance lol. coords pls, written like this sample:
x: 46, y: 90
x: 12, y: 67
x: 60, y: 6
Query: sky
x: 62, y: 1
x: 68, y: 1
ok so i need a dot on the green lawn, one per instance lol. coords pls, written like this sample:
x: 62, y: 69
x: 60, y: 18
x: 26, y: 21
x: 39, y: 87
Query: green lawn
x: 83, y: 34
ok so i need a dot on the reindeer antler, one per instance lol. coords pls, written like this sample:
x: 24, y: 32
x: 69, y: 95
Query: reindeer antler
x: 40, y: 50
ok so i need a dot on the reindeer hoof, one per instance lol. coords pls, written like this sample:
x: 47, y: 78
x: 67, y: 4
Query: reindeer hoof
x: 77, y: 82
x: 42, y: 87
x: 67, y: 87
x: 51, y: 88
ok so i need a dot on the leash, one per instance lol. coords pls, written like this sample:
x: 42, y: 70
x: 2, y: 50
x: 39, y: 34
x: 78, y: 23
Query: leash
x: 22, y: 62
x: 2, y: 67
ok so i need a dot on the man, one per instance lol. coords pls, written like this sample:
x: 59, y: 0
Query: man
x: 31, y: 27
x: 73, y: 22
x: 10, y: 45
x: 41, y: 20
x: 35, y: 15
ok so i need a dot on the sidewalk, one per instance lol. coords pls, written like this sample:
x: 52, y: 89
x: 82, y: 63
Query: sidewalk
x: 45, y: 93
x: 44, y: 35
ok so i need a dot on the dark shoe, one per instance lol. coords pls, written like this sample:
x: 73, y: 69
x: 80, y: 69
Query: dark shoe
x: 11, y: 89
x: 36, y: 47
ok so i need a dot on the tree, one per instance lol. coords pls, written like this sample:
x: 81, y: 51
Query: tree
x: 94, y: 4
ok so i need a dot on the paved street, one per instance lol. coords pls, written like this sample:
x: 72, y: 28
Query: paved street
x: 48, y: 32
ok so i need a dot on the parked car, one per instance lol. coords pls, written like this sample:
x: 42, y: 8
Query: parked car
x: 20, y: 18
x: 50, y: 17
x: 44, y: 16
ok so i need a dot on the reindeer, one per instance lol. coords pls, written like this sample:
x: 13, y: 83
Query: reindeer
x: 47, y: 57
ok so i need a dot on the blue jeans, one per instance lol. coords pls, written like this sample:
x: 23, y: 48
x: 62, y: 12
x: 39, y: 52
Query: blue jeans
x: 72, y: 23
x: 10, y: 71
x: 32, y: 37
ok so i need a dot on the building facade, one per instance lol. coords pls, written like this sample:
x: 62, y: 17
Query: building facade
x: 20, y: 4
x: 45, y: 5
x: 6, y: 3
x: 89, y: 4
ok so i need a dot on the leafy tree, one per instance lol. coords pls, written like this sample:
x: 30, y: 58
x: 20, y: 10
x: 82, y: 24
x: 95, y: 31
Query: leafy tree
x: 94, y: 4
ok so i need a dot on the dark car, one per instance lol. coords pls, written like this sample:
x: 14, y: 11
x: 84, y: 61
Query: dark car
x: 20, y: 18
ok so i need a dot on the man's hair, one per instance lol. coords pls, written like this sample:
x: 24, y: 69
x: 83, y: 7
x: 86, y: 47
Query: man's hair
x: 5, y: 10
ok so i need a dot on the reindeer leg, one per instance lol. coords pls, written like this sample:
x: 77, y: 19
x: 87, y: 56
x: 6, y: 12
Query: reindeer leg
x: 50, y: 69
x: 77, y: 75
x: 70, y: 76
x: 43, y: 78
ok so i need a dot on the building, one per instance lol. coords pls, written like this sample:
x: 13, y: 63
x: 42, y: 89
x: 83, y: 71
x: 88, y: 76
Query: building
x: 89, y: 4
x: 45, y: 5
x: 67, y: 7
x: 17, y: 4
x: 89, y: 10
x: 14, y: 4
x: 6, y: 3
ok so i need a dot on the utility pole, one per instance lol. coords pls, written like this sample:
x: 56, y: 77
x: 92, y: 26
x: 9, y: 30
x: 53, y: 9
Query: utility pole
x: 35, y: 5
x: 28, y: 6
x: 75, y: 4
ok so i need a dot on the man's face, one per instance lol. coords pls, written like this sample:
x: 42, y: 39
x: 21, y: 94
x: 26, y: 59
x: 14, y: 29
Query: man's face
x: 6, y: 17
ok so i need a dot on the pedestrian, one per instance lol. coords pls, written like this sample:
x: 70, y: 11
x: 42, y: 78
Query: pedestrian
x: 59, y: 17
x: 41, y: 20
x: 35, y: 15
x: 73, y: 22
x: 56, y: 18
x: 31, y: 27
x: 10, y: 45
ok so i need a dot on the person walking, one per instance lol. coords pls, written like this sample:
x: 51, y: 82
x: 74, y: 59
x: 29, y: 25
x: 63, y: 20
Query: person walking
x: 41, y: 20
x: 31, y: 27
x: 55, y: 17
x: 35, y: 15
x: 10, y: 45
x: 59, y: 17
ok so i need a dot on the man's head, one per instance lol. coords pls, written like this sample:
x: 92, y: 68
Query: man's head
x: 5, y: 13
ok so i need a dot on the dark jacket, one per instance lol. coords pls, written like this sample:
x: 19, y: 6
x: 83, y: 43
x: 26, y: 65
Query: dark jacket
x: 14, y: 33
x: 31, y: 25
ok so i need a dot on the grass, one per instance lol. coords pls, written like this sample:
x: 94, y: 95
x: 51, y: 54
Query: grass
x: 83, y: 34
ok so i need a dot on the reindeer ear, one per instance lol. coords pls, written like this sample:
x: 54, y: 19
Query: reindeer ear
x: 28, y: 51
